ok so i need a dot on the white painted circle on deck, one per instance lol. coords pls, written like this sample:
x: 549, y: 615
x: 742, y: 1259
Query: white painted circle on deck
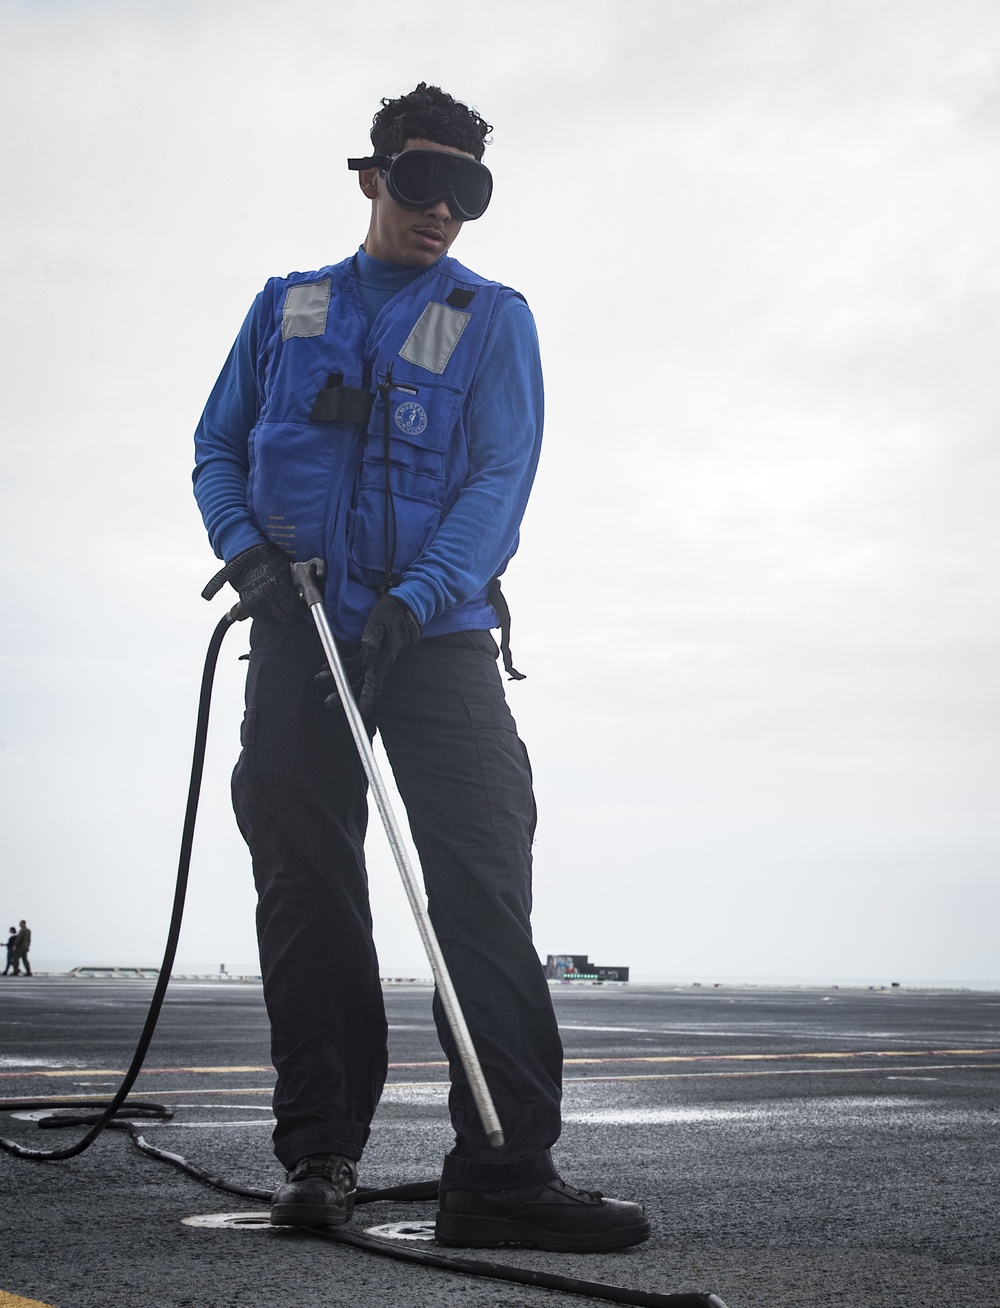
x: 231, y: 1221
x: 402, y: 1231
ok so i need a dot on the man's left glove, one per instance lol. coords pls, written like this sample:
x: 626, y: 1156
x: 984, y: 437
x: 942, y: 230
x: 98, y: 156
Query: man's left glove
x: 263, y: 577
x: 390, y: 629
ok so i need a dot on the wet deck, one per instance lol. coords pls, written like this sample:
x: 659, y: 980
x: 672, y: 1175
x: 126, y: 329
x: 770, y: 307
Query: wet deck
x: 792, y: 1147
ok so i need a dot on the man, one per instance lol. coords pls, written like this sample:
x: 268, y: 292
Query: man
x: 385, y: 414
x: 11, y: 946
x: 22, y: 943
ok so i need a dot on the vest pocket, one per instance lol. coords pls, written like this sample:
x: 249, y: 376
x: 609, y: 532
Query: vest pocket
x: 293, y: 472
x: 420, y: 422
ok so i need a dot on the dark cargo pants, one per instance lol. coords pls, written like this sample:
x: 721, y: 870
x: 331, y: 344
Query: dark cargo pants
x: 299, y: 792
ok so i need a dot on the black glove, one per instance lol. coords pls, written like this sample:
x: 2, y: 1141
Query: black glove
x: 263, y: 577
x: 390, y: 629
x: 354, y: 671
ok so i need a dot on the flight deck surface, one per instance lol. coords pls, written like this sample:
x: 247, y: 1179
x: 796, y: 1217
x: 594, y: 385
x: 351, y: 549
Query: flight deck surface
x: 792, y: 1147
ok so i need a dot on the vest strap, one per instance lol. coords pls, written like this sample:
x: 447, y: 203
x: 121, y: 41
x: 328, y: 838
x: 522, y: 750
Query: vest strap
x: 495, y: 597
x: 339, y: 403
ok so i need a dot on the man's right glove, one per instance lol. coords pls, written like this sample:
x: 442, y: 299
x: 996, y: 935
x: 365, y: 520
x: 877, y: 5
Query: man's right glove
x: 391, y: 628
x: 262, y: 576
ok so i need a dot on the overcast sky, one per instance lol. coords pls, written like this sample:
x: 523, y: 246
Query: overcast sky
x: 756, y: 597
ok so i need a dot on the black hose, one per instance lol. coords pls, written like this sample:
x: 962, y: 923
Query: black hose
x: 116, y: 1110
x: 174, y: 930
x: 525, y: 1276
x: 149, y: 1111
x: 414, y: 1191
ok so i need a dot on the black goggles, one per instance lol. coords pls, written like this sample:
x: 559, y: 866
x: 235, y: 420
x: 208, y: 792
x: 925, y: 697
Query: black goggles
x: 418, y: 179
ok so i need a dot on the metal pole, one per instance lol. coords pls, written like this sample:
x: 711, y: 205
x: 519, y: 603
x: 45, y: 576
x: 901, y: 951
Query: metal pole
x: 306, y: 577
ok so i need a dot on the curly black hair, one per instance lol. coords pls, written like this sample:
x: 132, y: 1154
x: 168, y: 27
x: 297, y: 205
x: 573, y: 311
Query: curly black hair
x: 432, y: 114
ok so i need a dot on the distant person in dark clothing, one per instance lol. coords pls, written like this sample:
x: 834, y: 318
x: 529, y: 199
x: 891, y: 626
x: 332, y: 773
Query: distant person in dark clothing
x: 11, y: 943
x: 22, y: 943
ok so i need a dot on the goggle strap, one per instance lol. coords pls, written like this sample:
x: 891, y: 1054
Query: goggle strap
x: 370, y: 161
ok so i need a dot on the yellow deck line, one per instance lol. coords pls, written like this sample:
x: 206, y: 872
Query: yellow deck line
x: 715, y: 1074
x: 826, y: 1055
x: 771, y: 1058
x: 781, y: 1071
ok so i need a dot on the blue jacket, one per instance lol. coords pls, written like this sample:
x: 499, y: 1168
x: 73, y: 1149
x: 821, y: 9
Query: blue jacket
x: 311, y: 465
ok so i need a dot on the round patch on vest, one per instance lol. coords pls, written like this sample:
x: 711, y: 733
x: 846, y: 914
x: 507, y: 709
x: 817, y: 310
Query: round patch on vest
x: 411, y: 418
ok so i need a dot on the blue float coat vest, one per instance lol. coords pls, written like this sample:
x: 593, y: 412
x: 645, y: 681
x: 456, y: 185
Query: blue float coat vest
x: 317, y: 486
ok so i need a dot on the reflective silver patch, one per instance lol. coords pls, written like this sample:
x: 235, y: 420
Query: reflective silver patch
x: 304, y: 313
x: 431, y: 343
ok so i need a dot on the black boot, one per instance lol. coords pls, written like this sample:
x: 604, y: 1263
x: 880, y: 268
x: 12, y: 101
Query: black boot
x: 318, y: 1191
x: 553, y: 1216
